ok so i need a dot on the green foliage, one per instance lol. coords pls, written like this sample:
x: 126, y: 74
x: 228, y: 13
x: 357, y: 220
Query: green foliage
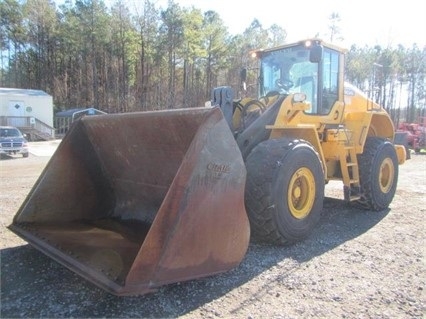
x: 123, y: 59
x: 393, y: 77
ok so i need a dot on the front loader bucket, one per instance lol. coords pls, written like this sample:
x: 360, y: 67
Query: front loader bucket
x: 135, y: 201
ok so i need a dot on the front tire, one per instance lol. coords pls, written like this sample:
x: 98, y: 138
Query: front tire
x: 284, y: 190
x: 378, y: 174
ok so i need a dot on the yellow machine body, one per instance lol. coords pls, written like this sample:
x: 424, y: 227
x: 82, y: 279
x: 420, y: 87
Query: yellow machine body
x: 135, y: 201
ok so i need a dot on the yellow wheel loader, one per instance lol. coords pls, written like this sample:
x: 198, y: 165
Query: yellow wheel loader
x: 135, y: 201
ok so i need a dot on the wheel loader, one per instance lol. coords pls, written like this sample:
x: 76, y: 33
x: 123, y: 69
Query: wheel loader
x: 135, y: 201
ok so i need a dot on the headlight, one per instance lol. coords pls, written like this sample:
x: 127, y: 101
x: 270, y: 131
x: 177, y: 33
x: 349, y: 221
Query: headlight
x: 308, y: 43
x: 299, y: 97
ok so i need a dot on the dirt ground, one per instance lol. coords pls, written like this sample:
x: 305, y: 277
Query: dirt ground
x: 356, y: 264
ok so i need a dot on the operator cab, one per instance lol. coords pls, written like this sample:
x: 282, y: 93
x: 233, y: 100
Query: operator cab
x: 306, y: 67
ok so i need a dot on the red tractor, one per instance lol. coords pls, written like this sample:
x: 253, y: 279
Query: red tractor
x: 415, y: 134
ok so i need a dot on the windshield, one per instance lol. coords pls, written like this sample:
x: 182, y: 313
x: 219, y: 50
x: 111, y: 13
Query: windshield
x: 10, y: 132
x: 289, y: 71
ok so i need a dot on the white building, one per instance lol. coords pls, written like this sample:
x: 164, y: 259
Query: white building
x: 29, y: 110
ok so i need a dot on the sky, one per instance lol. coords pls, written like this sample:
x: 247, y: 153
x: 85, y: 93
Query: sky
x: 363, y: 22
x: 370, y: 22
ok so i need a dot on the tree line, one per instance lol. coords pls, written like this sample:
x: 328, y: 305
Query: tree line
x: 121, y: 59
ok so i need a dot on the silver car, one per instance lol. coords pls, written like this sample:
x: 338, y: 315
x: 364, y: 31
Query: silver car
x: 12, y: 141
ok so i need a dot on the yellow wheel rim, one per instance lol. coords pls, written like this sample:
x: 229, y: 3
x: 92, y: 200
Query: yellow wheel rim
x: 301, y: 193
x: 386, y: 175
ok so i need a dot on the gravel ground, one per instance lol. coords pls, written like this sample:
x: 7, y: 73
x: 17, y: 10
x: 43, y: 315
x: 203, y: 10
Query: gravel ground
x: 356, y: 264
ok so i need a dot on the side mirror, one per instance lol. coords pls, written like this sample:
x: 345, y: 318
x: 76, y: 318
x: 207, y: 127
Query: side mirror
x: 315, y: 54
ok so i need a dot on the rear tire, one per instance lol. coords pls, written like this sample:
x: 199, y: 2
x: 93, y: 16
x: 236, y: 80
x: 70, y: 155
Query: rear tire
x: 284, y: 190
x: 378, y: 174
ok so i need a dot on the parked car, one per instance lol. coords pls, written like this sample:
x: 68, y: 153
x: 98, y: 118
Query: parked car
x: 12, y: 141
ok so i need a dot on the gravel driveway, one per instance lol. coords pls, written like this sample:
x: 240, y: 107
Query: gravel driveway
x: 356, y: 264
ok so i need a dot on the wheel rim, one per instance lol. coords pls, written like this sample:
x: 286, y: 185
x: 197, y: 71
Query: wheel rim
x: 301, y: 193
x: 386, y: 175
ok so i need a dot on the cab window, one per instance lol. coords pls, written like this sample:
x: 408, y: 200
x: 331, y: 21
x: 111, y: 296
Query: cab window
x: 330, y: 80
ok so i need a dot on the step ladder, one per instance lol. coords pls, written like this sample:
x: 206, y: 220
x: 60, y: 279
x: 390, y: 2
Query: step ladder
x: 350, y: 173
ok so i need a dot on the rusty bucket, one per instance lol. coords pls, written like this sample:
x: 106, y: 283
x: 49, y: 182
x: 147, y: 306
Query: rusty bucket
x: 135, y: 201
